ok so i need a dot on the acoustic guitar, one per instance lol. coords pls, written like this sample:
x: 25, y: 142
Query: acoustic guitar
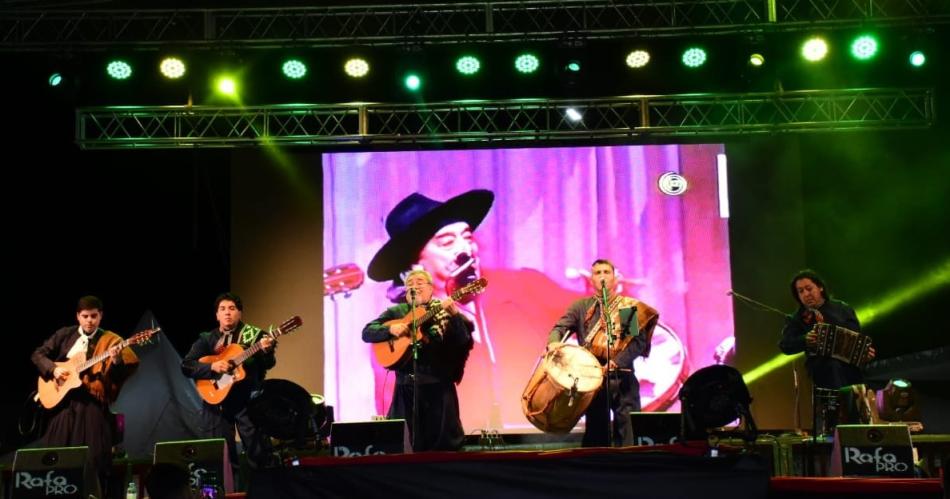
x: 392, y: 352
x: 342, y: 279
x: 50, y: 392
x: 214, y: 391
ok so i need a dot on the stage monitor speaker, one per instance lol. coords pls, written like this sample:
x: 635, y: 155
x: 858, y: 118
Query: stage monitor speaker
x: 872, y: 450
x: 199, y: 457
x: 390, y: 436
x: 61, y: 472
x: 655, y: 428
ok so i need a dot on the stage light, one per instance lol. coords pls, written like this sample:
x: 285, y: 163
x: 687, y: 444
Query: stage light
x: 294, y: 69
x: 573, y: 114
x: 712, y: 397
x: 172, y: 67
x: 412, y: 82
x: 55, y: 79
x: 119, y: 70
x: 573, y: 66
x: 226, y: 85
x: 898, y: 402
x: 356, y: 67
x: 638, y: 59
x: 917, y: 59
x: 468, y: 65
x: 694, y: 57
x: 814, y: 49
x: 864, y: 47
x: 527, y: 63
x: 756, y: 60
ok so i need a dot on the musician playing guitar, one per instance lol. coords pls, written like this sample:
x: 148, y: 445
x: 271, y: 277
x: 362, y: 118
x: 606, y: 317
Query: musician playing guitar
x: 445, y: 339
x: 232, y: 412
x: 83, y: 416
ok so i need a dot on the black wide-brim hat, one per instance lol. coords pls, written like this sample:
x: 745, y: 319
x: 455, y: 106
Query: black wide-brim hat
x: 413, y: 222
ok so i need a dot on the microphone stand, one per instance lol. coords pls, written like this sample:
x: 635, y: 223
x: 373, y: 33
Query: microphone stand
x: 415, y: 376
x: 610, y: 340
x: 761, y: 306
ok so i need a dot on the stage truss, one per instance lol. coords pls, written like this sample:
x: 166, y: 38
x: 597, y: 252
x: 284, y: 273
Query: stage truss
x: 630, y: 118
x: 97, y: 29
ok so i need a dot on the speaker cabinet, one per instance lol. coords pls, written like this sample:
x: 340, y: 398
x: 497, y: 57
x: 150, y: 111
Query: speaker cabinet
x: 370, y: 437
x: 872, y: 450
x: 199, y: 457
x: 61, y: 472
x: 655, y: 428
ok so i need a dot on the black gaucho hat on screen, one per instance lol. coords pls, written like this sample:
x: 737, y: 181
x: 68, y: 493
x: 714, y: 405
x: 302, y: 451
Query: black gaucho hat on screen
x: 414, y: 221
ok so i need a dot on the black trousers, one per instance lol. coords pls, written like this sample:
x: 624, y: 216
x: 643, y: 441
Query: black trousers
x: 624, y: 399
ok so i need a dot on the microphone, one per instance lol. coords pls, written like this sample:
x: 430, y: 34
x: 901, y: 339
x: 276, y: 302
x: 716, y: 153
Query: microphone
x: 412, y: 294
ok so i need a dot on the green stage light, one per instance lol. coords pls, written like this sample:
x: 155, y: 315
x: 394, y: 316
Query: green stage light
x: 864, y: 47
x: 527, y: 63
x: 294, y: 69
x: 814, y: 49
x: 756, y: 60
x: 917, y: 59
x: 119, y: 70
x: 55, y: 79
x: 356, y: 67
x: 694, y: 57
x: 638, y: 59
x: 573, y: 66
x: 413, y: 82
x: 226, y: 85
x: 172, y: 67
x: 468, y: 65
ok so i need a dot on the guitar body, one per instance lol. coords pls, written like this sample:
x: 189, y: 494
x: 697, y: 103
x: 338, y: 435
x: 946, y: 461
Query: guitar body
x: 51, y: 392
x: 214, y: 391
x: 392, y: 352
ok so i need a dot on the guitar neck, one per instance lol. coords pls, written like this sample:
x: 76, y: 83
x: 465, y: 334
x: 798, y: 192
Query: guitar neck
x: 436, y: 308
x: 101, y: 357
x: 246, y: 354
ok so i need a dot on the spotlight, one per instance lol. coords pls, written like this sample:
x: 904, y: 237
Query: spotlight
x: 294, y: 69
x: 119, y: 70
x: 172, y: 67
x: 527, y: 63
x: 412, y: 82
x: 694, y: 57
x: 573, y: 66
x: 573, y: 114
x: 864, y: 47
x: 285, y: 412
x: 814, y: 49
x: 226, y: 85
x: 898, y: 402
x: 713, y: 397
x: 55, y: 79
x: 356, y: 67
x: 468, y: 65
x: 756, y: 60
x: 917, y: 59
x: 638, y: 58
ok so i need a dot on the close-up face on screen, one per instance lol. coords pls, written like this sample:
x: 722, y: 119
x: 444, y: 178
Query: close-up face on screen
x: 531, y: 222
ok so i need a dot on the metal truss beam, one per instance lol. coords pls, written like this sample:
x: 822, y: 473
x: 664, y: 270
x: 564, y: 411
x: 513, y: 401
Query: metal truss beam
x: 509, y: 120
x: 537, y: 20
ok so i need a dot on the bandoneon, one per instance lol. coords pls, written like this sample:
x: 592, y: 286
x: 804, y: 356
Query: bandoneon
x: 841, y: 343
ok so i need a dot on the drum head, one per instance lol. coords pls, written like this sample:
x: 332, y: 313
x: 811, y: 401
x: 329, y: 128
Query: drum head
x: 569, y: 363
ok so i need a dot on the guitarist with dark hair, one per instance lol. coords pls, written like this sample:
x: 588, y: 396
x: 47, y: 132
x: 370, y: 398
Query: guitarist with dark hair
x: 232, y: 411
x: 446, y: 339
x: 83, y: 416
